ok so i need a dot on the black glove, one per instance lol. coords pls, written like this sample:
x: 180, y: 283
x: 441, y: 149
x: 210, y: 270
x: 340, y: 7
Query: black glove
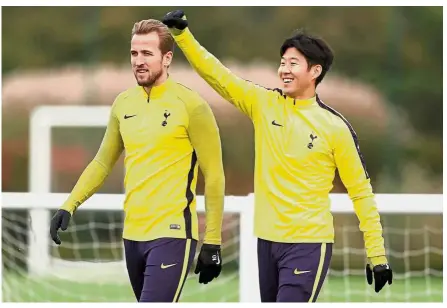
x: 209, y: 263
x: 382, y: 275
x: 59, y: 220
x: 175, y: 19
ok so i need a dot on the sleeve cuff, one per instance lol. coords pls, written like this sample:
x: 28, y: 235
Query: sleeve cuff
x: 212, y: 241
x: 378, y: 260
x: 68, y: 207
x: 180, y: 36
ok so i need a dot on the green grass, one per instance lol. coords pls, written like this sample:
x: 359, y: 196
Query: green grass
x: 336, y: 289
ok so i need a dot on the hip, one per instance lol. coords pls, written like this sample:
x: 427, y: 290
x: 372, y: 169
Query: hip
x: 151, y: 226
x: 323, y: 233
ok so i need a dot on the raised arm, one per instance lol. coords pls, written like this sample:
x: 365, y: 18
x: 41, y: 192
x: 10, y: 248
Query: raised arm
x: 354, y: 176
x: 92, y: 178
x: 243, y: 94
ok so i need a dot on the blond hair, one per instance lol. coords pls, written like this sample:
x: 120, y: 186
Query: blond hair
x: 152, y: 25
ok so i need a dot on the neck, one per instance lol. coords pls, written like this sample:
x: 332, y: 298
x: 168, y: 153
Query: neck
x: 160, y: 80
x: 306, y: 94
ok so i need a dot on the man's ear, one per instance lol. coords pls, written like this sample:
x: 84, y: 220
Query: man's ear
x: 167, y: 58
x: 316, y: 71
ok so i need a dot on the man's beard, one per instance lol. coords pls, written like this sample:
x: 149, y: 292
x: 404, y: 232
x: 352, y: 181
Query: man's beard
x: 149, y: 82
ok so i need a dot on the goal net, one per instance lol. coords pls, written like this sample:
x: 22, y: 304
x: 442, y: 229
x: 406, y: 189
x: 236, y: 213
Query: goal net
x: 89, y: 265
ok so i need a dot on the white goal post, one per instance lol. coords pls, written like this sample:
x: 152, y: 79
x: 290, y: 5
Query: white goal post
x: 40, y: 199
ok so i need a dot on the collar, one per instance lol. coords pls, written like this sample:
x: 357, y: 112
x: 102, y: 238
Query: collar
x: 301, y: 103
x: 157, y: 91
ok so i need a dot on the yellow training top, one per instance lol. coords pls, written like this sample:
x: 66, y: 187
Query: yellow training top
x: 299, y: 144
x: 165, y: 135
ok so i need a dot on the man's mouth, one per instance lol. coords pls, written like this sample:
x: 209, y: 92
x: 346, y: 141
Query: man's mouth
x: 287, y: 80
x: 142, y: 71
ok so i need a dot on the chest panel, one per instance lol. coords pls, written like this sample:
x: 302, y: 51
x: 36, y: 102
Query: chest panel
x: 154, y: 124
x: 296, y: 137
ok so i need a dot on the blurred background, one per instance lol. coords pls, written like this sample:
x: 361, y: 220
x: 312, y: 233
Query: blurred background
x: 386, y: 80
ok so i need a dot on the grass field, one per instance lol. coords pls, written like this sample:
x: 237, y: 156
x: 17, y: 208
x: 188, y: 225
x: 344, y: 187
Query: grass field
x: 336, y: 289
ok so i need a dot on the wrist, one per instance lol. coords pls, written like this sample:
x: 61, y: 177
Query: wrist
x: 175, y: 31
x: 210, y: 246
x: 211, y: 239
x: 179, y: 35
x: 378, y: 260
x: 68, y: 208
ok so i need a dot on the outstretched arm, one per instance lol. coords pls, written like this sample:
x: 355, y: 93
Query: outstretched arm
x: 243, y: 94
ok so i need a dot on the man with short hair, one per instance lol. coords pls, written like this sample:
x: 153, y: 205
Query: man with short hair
x: 299, y: 144
x: 167, y: 131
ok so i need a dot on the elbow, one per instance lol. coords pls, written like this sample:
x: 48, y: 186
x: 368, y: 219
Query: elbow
x: 361, y: 197
x: 100, y: 166
x: 215, y: 182
x: 360, y: 192
x: 218, y: 180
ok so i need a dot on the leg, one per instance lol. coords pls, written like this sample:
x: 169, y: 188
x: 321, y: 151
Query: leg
x: 268, y: 272
x: 135, y: 264
x: 167, y: 265
x: 302, y: 270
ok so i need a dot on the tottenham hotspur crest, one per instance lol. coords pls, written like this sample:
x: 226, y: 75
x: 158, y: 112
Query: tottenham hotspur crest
x: 312, y: 138
x: 166, y: 115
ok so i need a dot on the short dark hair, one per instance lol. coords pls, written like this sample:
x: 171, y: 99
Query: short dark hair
x: 315, y: 50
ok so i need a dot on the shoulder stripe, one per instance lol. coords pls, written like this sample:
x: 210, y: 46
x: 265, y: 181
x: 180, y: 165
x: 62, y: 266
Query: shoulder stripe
x: 351, y: 129
x: 268, y: 89
x: 279, y: 91
x: 180, y: 84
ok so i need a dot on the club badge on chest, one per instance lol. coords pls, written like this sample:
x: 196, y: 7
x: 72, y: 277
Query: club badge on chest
x: 310, y: 145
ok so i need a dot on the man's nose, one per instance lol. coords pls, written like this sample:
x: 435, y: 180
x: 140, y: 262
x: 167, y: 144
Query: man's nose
x: 139, y: 60
x: 285, y: 68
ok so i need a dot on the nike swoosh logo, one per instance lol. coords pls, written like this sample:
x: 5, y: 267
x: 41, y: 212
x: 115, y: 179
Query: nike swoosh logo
x: 129, y: 116
x: 167, y: 266
x: 276, y: 124
x: 297, y: 272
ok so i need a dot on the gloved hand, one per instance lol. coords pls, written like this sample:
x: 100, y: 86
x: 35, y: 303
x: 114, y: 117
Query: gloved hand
x: 176, y: 19
x: 209, y: 263
x: 382, y: 274
x: 60, y: 220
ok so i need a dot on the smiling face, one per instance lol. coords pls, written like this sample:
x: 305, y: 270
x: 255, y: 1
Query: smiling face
x: 297, y: 77
x: 148, y: 62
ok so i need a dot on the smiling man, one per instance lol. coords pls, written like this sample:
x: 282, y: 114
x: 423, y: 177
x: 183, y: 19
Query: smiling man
x: 166, y: 131
x: 299, y: 144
